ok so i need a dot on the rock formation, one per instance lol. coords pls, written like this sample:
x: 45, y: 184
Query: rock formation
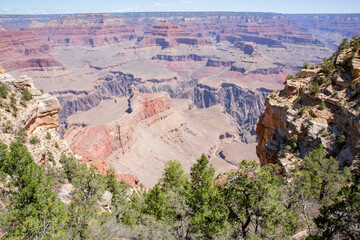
x: 242, y: 104
x: 90, y: 29
x: 98, y: 142
x: 32, y: 116
x: 166, y: 34
x: 138, y: 133
x: 34, y: 121
x: 319, y: 107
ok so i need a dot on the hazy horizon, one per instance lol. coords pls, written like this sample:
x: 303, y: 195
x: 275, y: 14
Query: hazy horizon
x: 110, y: 6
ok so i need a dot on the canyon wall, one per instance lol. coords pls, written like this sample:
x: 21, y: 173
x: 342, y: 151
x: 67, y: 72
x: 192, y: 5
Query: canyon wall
x: 319, y: 107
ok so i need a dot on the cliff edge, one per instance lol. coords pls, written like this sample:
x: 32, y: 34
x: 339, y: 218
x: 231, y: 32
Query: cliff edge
x: 320, y: 106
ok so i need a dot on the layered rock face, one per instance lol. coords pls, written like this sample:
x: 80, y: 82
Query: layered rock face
x: 22, y: 49
x: 328, y: 28
x: 242, y: 104
x: 91, y: 29
x: 166, y: 34
x: 321, y: 107
x: 98, y: 142
x: 35, y: 116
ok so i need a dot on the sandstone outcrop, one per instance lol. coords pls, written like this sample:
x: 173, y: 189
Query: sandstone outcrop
x: 31, y: 119
x: 320, y: 107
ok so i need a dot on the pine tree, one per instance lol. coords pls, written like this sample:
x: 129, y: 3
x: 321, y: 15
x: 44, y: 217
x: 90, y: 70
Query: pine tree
x: 254, y: 198
x: 208, y: 211
x: 35, y: 212
x: 323, y: 175
x: 342, y: 218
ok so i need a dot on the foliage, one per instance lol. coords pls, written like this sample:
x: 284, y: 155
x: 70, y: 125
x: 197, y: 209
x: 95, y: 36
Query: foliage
x: 89, y: 187
x: 342, y: 217
x: 323, y: 175
x: 35, y: 211
x: 205, y: 201
x: 314, y: 88
x: 289, y: 77
x: 34, y: 140
x: 3, y: 90
x: 327, y: 66
x: 342, y: 139
x: 305, y: 65
x: 253, y: 197
x: 344, y: 44
x: 253, y: 203
x: 7, y: 127
x: 48, y: 136
x: 25, y: 94
x: 302, y: 110
x: 21, y: 135
x: 322, y: 105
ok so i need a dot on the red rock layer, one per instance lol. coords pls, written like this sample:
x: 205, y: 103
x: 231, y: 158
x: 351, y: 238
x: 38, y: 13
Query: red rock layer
x: 92, y: 29
x: 97, y: 143
x: 21, y: 43
x: 166, y: 34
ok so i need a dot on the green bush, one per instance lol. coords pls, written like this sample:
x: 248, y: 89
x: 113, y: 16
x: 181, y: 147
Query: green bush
x: 7, y: 127
x: 289, y: 77
x: 344, y: 44
x: 302, y: 110
x: 314, y: 88
x: 322, y: 105
x: 50, y: 156
x: 299, y: 74
x: 21, y: 135
x: 3, y: 90
x: 342, y: 139
x: 48, y: 136
x: 14, y: 109
x: 346, y: 63
x: 34, y: 140
x: 25, y: 94
x: 327, y: 66
x: 305, y: 65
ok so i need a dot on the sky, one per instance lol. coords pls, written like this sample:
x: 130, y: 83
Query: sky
x: 96, y: 6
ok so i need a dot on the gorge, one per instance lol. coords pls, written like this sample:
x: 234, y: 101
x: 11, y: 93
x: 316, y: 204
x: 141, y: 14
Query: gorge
x: 215, y: 68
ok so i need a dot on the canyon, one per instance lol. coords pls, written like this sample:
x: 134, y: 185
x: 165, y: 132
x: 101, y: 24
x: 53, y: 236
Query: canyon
x: 139, y: 89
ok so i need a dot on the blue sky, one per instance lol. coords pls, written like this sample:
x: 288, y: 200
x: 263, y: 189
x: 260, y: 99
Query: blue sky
x: 83, y: 6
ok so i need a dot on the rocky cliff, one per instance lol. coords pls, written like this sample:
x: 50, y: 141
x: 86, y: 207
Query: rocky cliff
x: 321, y: 106
x: 244, y: 105
x: 31, y: 116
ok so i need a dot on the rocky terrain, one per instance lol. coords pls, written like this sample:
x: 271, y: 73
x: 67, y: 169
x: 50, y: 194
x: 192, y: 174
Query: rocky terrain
x: 320, y: 106
x: 31, y: 116
x: 211, y: 64
x: 139, y: 133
